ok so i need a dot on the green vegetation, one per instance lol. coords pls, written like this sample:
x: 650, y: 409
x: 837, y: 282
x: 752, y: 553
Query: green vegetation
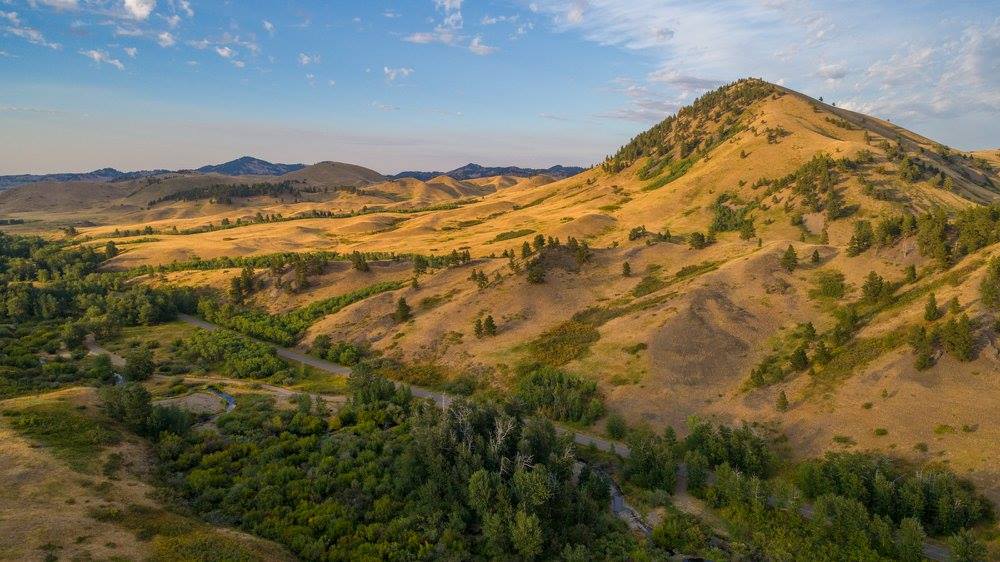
x: 511, y: 234
x: 234, y: 355
x: 366, y: 483
x: 285, y: 329
x: 558, y: 395
x: 225, y: 193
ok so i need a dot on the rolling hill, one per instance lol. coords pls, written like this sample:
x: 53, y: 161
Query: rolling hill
x: 710, y: 318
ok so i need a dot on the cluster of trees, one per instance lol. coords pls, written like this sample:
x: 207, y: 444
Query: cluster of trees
x: 234, y: 355
x: 484, y: 327
x: 389, y: 477
x: 677, y: 137
x: 558, y: 395
x: 341, y: 352
x: 225, y: 193
x: 956, y: 336
x: 543, y: 254
x: 287, y: 328
x: 729, y: 215
x: 131, y: 405
x: 934, y: 497
x: 792, y: 358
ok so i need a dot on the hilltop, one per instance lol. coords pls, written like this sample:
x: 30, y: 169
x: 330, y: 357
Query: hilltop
x: 476, y: 171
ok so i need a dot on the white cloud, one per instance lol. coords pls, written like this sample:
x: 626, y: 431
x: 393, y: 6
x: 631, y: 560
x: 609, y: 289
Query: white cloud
x: 131, y: 51
x: 832, y: 72
x: 172, y: 20
x: 311, y: 78
x: 332, y: 83
x: 200, y: 44
x: 268, y: 27
x: 139, y: 9
x: 493, y: 20
x: 449, y: 28
x: 165, y: 39
x: 239, y: 64
x: 60, y: 4
x: 12, y: 17
x: 391, y: 74
x: 478, y: 47
x: 384, y: 106
x: 391, y: 14
x: 185, y: 6
x: 103, y: 57
x: 305, y: 60
x: 225, y: 52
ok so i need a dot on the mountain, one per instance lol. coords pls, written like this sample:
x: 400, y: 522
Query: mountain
x: 102, y: 175
x: 250, y: 166
x: 245, y: 166
x: 333, y: 174
x: 476, y: 171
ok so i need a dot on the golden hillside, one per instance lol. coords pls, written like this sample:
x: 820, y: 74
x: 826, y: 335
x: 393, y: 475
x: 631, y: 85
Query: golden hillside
x: 702, y: 208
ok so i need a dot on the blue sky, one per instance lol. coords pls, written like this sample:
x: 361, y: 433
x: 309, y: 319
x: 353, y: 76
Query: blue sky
x: 433, y: 84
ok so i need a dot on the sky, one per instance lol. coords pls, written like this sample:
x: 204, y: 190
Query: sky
x: 435, y: 84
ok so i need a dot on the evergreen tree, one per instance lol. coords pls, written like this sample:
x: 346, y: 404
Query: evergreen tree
x: 489, y: 326
x: 110, y: 250
x: 989, y: 289
x: 782, y: 404
x: 403, y: 312
x: 477, y: 327
x: 911, y: 273
x: 789, y: 259
x: 815, y: 256
x: 526, y: 250
x: 931, y: 310
x: 626, y: 269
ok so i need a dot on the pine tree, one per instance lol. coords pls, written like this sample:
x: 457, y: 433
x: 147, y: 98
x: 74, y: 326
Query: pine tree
x: 403, y: 312
x: 911, y: 273
x: 477, y: 327
x: 989, y: 289
x: 931, y: 311
x: 489, y: 326
x: 525, y: 249
x: 110, y: 250
x: 789, y: 260
x: 815, y: 256
x: 626, y: 269
x: 782, y: 404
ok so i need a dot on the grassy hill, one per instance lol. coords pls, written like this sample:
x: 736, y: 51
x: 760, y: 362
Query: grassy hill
x: 709, y: 322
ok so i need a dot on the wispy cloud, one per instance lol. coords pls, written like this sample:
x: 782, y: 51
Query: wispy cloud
x: 391, y: 74
x: 131, y: 51
x: 17, y: 28
x: 305, y: 60
x: 384, y: 106
x: 102, y: 57
x: 478, y: 47
x: 268, y: 27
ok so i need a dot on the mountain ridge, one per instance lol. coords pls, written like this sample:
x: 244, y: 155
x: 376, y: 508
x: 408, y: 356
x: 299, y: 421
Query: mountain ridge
x: 472, y: 171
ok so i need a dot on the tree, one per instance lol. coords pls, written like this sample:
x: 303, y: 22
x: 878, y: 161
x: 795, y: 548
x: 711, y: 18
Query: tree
x: 910, y: 540
x: 957, y: 338
x: 874, y: 287
x: 862, y: 238
x: 626, y: 269
x: 489, y: 326
x: 536, y: 271
x: 989, y: 289
x: 110, y: 250
x: 420, y: 264
x: 966, y: 548
x: 615, y: 426
x: 911, y: 273
x: 931, y: 310
x: 477, y: 327
x: 782, y: 404
x: 526, y: 250
x: 359, y: 262
x: 526, y: 535
x: 403, y: 311
x: 789, y: 259
x: 138, y: 365
x: 799, y: 360
x: 129, y: 404
x: 815, y: 256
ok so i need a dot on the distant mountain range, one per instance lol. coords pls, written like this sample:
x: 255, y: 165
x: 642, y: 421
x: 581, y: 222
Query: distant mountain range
x: 475, y: 171
x: 250, y: 166
x: 245, y: 166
